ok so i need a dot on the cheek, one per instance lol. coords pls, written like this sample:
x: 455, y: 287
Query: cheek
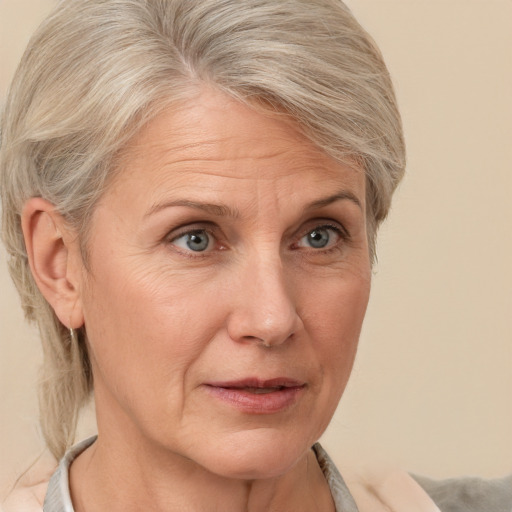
x: 148, y: 326
x: 333, y: 319
x: 336, y: 308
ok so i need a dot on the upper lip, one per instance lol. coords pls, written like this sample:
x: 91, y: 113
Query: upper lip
x: 252, y: 382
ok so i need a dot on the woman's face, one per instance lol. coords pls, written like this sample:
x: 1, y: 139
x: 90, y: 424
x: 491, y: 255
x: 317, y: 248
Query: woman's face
x: 227, y: 282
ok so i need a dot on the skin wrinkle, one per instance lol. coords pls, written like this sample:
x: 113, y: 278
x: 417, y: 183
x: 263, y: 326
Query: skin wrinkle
x: 223, y: 210
x: 188, y: 167
x: 134, y: 148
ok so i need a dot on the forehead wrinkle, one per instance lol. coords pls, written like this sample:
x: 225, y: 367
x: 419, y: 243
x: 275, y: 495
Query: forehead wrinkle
x: 250, y: 167
x: 159, y: 151
x: 221, y: 154
x: 207, y: 147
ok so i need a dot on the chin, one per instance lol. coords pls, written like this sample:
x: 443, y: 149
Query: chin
x: 256, y: 454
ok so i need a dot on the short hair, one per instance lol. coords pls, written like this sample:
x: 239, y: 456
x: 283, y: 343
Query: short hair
x: 97, y: 70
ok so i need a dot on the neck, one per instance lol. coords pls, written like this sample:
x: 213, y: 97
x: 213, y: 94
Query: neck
x: 105, y: 478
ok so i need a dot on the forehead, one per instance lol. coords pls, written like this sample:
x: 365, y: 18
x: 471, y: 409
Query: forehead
x: 214, y: 136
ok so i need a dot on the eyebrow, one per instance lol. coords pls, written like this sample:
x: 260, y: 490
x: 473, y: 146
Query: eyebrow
x: 340, y: 196
x: 222, y: 210
x: 218, y: 210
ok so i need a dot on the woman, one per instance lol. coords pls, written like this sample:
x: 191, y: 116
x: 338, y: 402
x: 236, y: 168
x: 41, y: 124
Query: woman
x: 191, y: 192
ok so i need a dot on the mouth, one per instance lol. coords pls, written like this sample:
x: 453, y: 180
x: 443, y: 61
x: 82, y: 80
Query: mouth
x: 255, y: 396
x: 261, y: 391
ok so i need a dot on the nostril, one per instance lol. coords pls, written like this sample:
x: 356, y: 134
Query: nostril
x: 261, y: 341
x: 269, y: 341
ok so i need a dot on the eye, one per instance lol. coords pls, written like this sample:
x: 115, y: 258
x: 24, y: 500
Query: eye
x: 198, y: 241
x: 321, y: 237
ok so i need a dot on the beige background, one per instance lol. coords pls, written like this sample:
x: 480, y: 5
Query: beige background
x: 432, y: 387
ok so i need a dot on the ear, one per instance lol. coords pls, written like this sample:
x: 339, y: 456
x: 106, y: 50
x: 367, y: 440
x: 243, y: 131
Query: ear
x: 55, y: 260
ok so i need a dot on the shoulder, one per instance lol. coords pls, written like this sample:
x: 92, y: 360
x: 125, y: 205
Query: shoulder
x: 470, y: 494
x: 388, y: 490
x: 374, y: 490
x: 30, y: 489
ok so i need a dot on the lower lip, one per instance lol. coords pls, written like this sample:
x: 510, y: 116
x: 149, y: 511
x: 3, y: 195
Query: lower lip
x: 252, y: 403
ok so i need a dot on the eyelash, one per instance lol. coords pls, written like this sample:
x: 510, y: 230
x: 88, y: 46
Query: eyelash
x: 189, y: 230
x: 340, y: 231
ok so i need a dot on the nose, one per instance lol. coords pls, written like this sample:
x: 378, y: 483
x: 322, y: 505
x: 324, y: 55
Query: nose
x: 264, y: 307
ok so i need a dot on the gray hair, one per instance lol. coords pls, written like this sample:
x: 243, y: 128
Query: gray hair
x: 96, y: 71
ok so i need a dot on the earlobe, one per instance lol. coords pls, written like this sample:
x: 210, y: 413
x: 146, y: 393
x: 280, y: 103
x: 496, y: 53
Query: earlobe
x: 53, y: 257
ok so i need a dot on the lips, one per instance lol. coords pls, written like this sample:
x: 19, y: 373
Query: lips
x: 261, y: 391
x: 256, y: 396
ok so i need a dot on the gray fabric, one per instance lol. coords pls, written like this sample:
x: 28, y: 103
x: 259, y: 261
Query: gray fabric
x: 58, y: 498
x: 469, y: 494
x: 340, y: 494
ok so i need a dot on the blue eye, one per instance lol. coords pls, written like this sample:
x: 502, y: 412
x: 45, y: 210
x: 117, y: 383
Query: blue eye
x: 197, y: 241
x: 320, y: 237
